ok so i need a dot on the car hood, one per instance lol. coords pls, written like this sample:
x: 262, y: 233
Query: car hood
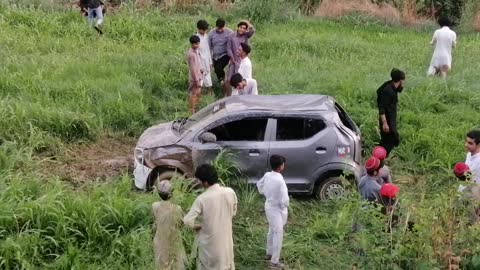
x: 157, y: 136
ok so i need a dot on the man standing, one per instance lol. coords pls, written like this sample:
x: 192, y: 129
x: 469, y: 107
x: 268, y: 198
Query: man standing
x: 216, y: 207
x: 245, y: 31
x: 202, y: 26
x: 387, y: 100
x: 94, y: 10
x: 195, y: 76
x: 273, y: 186
x: 472, y: 144
x: 167, y: 242
x: 243, y: 86
x: 218, y: 44
x: 245, y: 68
x: 444, y: 40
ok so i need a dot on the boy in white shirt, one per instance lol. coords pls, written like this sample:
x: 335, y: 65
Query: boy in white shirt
x: 243, y: 86
x: 245, y: 68
x: 472, y: 144
x: 273, y: 186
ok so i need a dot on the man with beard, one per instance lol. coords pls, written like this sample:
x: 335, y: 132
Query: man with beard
x: 387, y: 101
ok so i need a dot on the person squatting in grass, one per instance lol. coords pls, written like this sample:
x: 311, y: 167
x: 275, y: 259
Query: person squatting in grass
x: 95, y: 10
x: 195, y: 74
x: 468, y: 190
x: 205, y: 56
x: 444, y: 40
x: 387, y: 101
x: 245, y: 31
x: 243, y: 86
x: 368, y: 186
x: 384, y: 173
x: 472, y: 145
x: 216, y: 207
x: 218, y: 40
x: 273, y: 187
x: 167, y: 240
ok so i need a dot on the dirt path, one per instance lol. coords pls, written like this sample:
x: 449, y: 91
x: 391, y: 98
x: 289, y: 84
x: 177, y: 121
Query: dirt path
x: 105, y: 158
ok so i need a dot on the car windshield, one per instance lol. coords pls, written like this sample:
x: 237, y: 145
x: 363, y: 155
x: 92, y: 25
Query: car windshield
x: 186, y: 124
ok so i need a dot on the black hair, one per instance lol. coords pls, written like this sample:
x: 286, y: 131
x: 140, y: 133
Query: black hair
x: 202, y: 25
x: 246, y: 48
x: 165, y: 196
x: 207, y: 173
x: 242, y: 23
x: 474, y: 135
x: 276, y: 161
x: 236, y: 79
x: 444, y: 21
x: 220, y: 23
x: 397, y: 75
x: 194, y: 39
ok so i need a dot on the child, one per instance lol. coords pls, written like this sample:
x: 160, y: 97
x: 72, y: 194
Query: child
x: 384, y: 174
x: 167, y: 242
x: 195, y: 77
x: 205, y: 56
x: 369, y: 186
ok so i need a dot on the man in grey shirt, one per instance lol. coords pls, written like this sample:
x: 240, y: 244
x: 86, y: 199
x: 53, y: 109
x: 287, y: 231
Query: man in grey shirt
x: 368, y: 186
x: 218, y: 44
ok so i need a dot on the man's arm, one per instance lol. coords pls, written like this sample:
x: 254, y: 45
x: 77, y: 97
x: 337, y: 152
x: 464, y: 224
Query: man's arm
x: 434, y: 39
x: 285, y: 200
x: 230, y: 51
x: 210, y: 42
x: 192, y: 215
x: 383, y: 100
x: 254, y: 87
x: 235, y: 204
x: 454, y: 43
x: 251, y: 30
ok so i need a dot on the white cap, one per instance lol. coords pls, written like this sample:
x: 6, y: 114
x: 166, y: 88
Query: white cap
x: 165, y: 187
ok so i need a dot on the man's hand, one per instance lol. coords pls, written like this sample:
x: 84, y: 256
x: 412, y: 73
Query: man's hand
x: 385, y: 127
x: 197, y: 227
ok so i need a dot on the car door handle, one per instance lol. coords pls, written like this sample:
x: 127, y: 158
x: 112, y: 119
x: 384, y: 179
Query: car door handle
x: 321, y: 150
x: 254, y: 152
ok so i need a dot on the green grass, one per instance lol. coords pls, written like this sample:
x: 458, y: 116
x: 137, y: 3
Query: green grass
x: 61, y: 84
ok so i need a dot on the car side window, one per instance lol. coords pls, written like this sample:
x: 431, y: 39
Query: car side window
x: 248, y: 129
x: 296, y: 129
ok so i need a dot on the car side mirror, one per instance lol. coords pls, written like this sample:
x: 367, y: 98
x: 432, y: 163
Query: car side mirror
x: 208, y: 137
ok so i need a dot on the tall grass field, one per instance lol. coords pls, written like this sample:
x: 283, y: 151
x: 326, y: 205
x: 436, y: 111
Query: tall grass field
x: 62, y: 85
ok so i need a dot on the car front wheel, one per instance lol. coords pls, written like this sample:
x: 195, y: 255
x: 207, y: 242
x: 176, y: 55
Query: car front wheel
x: 167, y: 175
x: 330, y: 189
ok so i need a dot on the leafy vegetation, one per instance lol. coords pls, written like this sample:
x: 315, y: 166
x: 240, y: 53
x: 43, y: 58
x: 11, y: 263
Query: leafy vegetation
x: 61, y: 84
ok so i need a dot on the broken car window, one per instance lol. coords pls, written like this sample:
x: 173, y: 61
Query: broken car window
x: 295, y: 129
x: 250, y: 129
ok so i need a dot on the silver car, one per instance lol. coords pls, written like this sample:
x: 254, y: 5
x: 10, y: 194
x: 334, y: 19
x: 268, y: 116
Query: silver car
x: 316, y: 136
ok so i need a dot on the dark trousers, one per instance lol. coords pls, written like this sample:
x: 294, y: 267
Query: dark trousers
x: 389, y: 140
x: 219, y: 66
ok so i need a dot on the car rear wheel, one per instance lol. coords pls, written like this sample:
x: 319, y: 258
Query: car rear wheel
x: 330, y: 189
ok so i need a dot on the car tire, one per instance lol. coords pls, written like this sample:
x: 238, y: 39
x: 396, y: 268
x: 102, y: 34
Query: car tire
x: 166, y: 175
x: 331, y: 188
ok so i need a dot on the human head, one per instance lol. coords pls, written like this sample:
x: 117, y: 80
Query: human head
x: 220, y: 24
x: 398, y: 76
x: 244, y: 50
x: 389, y: 193
x: 195, y: 41
x: 202, y: 26
x: 380, y: 153
x: 237, y: 81
x: 372, y: 165
x: 277, y: 163
x: 461, y: 171
x: 242, y: 27
x: 165, y: 190
x: 472, y: 142
x: 444, y: 21
x: 207, y: 174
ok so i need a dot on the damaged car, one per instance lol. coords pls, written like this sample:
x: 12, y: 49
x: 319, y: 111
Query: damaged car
x: 317, y: 137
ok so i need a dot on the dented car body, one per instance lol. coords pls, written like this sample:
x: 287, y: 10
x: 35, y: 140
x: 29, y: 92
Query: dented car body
x: 317, y: 137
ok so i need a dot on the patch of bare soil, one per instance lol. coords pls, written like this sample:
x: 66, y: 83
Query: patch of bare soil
x: 105, y: 158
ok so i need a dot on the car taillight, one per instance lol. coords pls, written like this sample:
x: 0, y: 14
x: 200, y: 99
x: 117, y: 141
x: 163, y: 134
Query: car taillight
x: 343, y: 151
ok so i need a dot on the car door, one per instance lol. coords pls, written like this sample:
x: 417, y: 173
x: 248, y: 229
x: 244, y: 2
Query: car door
x: 246, y: 140
x: 306, y: 143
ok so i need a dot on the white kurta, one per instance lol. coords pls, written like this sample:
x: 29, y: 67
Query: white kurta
x: 250, y: 89
x: 216, y: 206
x: 273, y: 186
x: 206, y: 59
x: 473, y: 163
x: 245, y: 68
x: 167, y: 242
x: 444, y: 40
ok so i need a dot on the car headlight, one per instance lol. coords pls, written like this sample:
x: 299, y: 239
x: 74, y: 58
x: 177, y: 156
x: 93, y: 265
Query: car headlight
x: 138, y: 155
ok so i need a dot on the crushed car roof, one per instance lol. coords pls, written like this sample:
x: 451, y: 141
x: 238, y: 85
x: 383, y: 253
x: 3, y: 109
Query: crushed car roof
x: 278, y: 103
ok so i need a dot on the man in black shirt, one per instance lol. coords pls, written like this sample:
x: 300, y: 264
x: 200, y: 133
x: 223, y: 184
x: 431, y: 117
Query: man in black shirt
x: 387, y: 100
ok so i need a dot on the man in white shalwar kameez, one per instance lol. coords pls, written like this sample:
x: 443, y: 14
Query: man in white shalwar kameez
x: 444, y: 40
x: 205, y: 55
x: 273, y: 186
x: 216, y: 207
